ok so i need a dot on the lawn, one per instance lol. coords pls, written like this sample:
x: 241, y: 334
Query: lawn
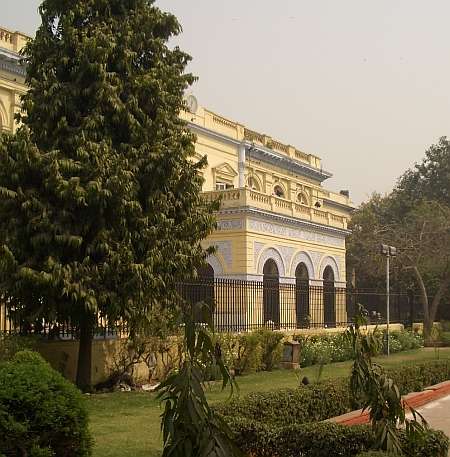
x: 127, y: 424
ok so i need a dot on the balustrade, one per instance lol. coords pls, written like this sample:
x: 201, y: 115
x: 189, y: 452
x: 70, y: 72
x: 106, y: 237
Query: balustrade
x: 235, y: 198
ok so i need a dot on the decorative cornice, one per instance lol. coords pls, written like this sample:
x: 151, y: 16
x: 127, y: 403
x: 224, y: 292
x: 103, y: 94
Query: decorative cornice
x: 338, y: 205
x: 275, y: 158
x: 213, y: 134
x: 11, y: 62
x: 249, y: 210
x: 267, y: 155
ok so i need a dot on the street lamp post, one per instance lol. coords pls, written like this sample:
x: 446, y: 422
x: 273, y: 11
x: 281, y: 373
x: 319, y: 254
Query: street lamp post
x: 388, y: 251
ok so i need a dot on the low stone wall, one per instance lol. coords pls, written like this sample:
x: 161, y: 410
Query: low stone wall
x: 333, y: 331
x: 63, y: 357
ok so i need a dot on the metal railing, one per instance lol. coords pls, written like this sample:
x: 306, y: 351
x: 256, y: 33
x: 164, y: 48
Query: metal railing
x: 241, y: 306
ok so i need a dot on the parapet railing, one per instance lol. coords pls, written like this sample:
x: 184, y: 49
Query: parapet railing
x: 235, y: 198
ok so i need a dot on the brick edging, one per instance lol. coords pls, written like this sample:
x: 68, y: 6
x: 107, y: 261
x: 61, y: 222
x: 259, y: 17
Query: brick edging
x: 412, y: 400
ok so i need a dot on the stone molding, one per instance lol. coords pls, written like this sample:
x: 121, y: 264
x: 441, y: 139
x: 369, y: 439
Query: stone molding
x: 275, y: 255
x: 232, y: 224
x: 216, y: 265
x: 331, y: 262
x: 305, y: 258
x: 287, y: 260
x: 224, y: 248
x: 292, y: 232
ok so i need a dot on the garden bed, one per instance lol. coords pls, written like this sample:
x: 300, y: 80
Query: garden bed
x: 292, y: 422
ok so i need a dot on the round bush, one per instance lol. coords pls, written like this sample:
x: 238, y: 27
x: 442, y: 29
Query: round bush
x: 41, y: 413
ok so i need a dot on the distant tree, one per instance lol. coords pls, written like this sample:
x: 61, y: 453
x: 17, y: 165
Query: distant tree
x: 367, y: 226
x: 422, y: 237
x: 100, y: 205
x: 428, y: 180
x: 423, y: 241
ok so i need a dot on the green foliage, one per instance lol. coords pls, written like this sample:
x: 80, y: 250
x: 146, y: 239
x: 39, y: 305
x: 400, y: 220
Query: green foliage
x: 41, y: 413
x: 99, y: 194
x: 421, y: 233
x: 317, y: 349
x: 429, y: 179
x: 244, y: 353
x: 323, y: 439
x: 316, y: 402
x: 241, y: 352
x: 379, y: 393
x: 323, y: 349
x: 11, y: 344
x: 189, y: 426
x: 271, y: 348
x: 404, y: 340
x: 317, y: 439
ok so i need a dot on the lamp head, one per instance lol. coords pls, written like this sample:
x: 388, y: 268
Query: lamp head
x: 392, y: 251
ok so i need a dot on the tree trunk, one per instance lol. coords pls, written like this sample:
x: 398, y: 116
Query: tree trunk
x: 438, y: 297
x: 84, y: 367
x: 427, y: 324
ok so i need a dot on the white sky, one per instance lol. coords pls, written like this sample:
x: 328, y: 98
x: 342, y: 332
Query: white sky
x: 364, y: 84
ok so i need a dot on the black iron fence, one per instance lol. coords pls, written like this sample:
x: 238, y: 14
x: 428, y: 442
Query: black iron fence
x: 241, y: 306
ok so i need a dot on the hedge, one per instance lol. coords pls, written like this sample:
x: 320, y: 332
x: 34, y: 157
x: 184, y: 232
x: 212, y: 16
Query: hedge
x: 321, y: 439
x: 41, y: 413
x: 316, y: 402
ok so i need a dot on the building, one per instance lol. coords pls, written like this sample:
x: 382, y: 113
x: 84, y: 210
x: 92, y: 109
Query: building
x: 12, y: 77
x: 279, y: 230
x: 277, y: 224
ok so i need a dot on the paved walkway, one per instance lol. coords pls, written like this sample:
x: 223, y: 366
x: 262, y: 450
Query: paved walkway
x: 437, y: 414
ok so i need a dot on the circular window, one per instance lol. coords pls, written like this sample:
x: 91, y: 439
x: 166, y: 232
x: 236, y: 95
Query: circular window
x: 278, y: 191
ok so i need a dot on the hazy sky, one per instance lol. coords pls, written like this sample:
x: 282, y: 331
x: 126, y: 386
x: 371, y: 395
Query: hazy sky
x: 364, y: 84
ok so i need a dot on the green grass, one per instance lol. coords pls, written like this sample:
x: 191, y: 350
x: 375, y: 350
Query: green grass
x: 127, y: 424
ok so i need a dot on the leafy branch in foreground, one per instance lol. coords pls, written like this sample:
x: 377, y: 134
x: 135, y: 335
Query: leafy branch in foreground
x: 189, y: 426
x: 379, y: 394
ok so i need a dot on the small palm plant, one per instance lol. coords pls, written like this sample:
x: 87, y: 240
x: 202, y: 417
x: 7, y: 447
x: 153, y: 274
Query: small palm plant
x: 189, y: 426
x: 379, y: 394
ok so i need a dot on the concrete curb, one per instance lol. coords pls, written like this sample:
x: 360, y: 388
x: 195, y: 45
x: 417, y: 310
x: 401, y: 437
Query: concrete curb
x: 413, y: 400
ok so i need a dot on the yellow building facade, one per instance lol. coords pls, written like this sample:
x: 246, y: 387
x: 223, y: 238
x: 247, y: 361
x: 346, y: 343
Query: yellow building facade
x: 12, y: 77
x: 277, y: 224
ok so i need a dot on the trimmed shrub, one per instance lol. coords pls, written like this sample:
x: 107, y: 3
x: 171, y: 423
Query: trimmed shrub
x: 319, y: 439
x: 435, y: 444
x: 326, y: 399
x: 11, y: 344
x: 41, y: 413
x: 322, y: 439
x: 314, y: 402
x: 414, y: 378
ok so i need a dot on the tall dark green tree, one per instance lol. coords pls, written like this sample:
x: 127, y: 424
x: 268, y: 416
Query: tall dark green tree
x: 100, y: 205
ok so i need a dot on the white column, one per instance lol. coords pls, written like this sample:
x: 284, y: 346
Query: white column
x: 241, y: 165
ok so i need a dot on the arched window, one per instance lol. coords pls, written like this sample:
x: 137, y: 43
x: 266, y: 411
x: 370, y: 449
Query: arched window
x: 302, y: 199
x: 329, y: 298
x: 278, y: 191
x: 206, y: 273
x: 271, y: 294
x: 252, y: 182
x: 302, y: 296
